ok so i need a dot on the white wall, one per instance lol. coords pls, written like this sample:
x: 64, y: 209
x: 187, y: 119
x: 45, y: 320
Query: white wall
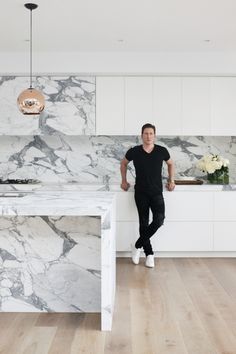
x: 222, y: 63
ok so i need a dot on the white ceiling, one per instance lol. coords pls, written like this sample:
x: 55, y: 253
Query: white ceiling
x: 99, y: 25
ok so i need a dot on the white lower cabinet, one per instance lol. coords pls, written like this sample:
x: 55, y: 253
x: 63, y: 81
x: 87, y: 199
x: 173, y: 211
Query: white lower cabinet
x: 125, y: 207
x: 225, y: 236
x: 195, y: 221
x: 126, y: 233
x: 224, y: 206
x: 184, y: 236
x: 189, y: 206
x: 225, y: 221
x: 180, y: 206
x: 172, y: 236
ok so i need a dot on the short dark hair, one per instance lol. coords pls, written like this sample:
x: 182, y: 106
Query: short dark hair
x: 149, y: 125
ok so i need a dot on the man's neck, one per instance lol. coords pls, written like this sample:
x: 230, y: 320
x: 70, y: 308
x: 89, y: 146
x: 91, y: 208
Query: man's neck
x: 148, y: 147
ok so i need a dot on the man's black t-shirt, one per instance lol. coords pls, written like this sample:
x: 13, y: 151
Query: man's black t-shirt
x: 148, y: 167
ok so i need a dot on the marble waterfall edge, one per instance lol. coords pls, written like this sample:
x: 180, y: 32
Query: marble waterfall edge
x: 50, y: 263
x: 57, y: 253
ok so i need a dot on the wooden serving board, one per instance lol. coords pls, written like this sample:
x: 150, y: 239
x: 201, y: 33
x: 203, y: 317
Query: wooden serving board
x: 187, y: 181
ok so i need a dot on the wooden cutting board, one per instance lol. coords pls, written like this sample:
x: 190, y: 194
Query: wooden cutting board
x: 187, y: 181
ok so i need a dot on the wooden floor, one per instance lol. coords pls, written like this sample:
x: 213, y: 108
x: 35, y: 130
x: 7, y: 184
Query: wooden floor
x: 183, y: 305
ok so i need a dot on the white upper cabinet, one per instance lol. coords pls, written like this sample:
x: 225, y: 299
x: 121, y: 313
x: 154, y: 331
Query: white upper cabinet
x: 138, y: 103
x: 196, y: 106
x: 167, y: 105
x: 176, y: 105
x: 223, y: 105
x: 110, y: 105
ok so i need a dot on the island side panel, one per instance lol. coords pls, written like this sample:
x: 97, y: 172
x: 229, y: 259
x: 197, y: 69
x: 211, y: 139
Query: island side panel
x: 108, y: 267
x: 50, y: 263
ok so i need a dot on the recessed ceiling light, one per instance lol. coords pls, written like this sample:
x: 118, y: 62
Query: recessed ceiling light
x: 207, y: 40
x: 120, y: 40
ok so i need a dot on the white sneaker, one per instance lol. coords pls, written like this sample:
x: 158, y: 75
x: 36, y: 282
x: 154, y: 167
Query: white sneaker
x: 135, y: 254
x: 150, y: 261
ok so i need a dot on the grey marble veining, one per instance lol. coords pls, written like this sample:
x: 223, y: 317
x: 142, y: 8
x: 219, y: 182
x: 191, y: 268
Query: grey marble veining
x: 50, y: 263
x: 57, y: 252
x: 69, y: 108
x: 96, y: 159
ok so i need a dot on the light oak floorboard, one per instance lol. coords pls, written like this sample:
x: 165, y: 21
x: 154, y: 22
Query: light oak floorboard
x: 38, y: 341
x: 182, y: 310
x: 119, y: 340
x: 217, y: 329
x: 182, y: 306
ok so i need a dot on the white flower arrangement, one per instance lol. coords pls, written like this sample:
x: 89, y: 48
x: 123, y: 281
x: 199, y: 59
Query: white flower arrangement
x: 211, y: 162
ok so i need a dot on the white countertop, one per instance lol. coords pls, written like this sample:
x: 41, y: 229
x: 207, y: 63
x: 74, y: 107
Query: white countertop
x: 90, y: 187
x: 49, y: 202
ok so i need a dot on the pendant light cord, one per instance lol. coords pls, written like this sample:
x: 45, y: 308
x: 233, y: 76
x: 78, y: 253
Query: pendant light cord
x: 30, y: 48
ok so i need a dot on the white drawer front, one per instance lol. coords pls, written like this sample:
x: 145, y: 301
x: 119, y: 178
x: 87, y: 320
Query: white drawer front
x: 184, y: 236
x: 224, y: 206
x: 180, y: 206
x: 126, y: 233
x: 189, y: 206
x: 172, y: 236
x: 125, y: 207
x: 225, y: 236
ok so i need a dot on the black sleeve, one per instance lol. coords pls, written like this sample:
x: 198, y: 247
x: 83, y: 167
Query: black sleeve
x: 130, y: 154
x: 166, y: 155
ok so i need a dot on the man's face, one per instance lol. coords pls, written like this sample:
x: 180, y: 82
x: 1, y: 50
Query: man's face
x: 148, y: 136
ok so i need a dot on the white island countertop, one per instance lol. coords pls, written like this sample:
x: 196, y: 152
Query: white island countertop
x: 53, y: 202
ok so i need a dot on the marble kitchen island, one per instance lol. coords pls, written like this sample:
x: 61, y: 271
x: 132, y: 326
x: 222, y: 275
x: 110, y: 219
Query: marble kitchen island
x: 57, y: 252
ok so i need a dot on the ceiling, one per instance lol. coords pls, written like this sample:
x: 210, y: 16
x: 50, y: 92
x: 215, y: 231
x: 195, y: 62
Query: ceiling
x: 120, y: 26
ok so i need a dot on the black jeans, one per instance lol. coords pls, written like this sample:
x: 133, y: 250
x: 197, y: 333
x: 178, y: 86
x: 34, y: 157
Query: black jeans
x: 144, y: 202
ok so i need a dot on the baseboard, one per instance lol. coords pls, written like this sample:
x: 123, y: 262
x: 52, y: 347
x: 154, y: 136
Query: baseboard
x: 183, y: 254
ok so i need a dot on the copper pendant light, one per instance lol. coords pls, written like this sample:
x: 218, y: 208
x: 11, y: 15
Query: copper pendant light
x: 31, y: 101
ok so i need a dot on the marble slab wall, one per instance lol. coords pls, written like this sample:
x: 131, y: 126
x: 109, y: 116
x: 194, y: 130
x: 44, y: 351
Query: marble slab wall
x: 50, y: 263
x: 96, y: 159
x: 69, y: 109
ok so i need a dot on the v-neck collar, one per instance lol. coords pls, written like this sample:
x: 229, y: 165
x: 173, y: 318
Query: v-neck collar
x: 148, y: 153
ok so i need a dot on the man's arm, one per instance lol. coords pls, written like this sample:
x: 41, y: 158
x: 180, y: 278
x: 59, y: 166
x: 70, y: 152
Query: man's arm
x: 171, y: 172
x: 123, y: 170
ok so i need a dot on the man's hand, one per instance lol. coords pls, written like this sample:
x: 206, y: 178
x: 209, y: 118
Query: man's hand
x: 125, y: 186
x: 170, y: 185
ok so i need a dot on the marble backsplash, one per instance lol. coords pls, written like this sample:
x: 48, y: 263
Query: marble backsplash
x: 70, y: 106
x: 96, y: 159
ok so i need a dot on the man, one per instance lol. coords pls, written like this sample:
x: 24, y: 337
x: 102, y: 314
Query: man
x: 147, y: 159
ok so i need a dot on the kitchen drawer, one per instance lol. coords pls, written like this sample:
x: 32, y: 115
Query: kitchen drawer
x: 172, y: 236
x: 225, y: 236
x: 224, y: 206
x: 189, y: 206
x: 125, y: 207
x: 126, y: 233
x: 184, y: 236
x: 180, y: 206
